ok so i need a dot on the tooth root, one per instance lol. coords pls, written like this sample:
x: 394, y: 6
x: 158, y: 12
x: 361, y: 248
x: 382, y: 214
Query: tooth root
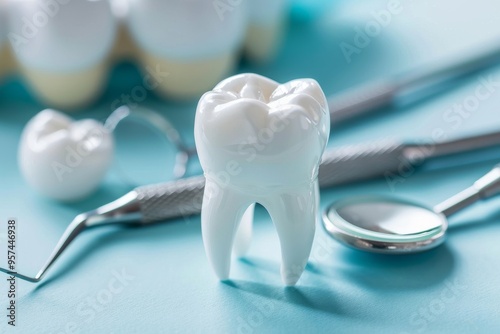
x: 66, y: 91
x: 61, y: 53
x: 187, y: 79
x: 262, y: 42
x: 266, y: 29
x: 196, y: 59
x: 222, y: 210
x: 294, y: 215
x: 244, y: 233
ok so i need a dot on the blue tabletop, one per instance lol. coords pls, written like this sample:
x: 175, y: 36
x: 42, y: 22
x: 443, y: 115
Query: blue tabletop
x: 157, y: 279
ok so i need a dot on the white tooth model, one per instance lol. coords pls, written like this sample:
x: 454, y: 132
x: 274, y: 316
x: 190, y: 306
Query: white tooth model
x: 192, y: 40
x: 64, y: 159
x: 62, y: 47
x: 267, y: 21
x: 261, y: 142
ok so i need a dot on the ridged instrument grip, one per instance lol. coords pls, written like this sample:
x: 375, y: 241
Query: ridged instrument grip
x: 361, y: 162
x: 169, y: 200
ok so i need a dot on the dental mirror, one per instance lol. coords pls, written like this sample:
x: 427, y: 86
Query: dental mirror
x: 381, y: 224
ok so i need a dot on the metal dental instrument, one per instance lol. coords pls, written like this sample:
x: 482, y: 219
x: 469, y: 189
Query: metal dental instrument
x: 388, y: 225
x: 184, y: 153
x: 408, y: 87
x: 181, y: 198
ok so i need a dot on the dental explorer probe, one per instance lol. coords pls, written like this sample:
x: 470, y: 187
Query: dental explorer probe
x: 181, y: 198
x: 406, y: 88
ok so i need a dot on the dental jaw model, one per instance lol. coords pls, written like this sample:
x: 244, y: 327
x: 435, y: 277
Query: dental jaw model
x: 189, y: 40
x: 64, y: 159
x: 261, y: 142
x: 267, y: 21
x: 62, y: 48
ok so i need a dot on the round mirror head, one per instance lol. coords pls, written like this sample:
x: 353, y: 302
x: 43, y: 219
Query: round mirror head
x: 384, y: 225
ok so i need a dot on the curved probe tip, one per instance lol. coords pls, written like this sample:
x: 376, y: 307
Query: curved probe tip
x: 21, y: 276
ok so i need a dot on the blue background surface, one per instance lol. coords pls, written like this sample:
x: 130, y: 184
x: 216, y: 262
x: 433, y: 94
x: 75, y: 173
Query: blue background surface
x: 454, y: 288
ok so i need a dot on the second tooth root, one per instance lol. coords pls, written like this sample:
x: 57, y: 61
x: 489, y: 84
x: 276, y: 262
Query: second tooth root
x: 261, y: 142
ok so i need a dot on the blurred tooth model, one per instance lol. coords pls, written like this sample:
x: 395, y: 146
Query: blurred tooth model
x: 188, y: 45
x: 267, y: 22
x: 64, y: 159
x: 62, y: 47
x: 259, y: 141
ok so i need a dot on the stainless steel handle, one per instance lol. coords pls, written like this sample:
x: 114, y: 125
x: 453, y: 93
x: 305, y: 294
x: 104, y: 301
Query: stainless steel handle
x: 486, y: 187
x: 360, y: 101
x: 412, y: 86
x: 464, y: 144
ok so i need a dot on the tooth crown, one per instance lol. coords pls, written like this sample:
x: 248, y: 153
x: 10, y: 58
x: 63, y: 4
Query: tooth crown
x: 248, y: 122
x: 189, y: 29
x: 62, y: 159
x: 77, y: 35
